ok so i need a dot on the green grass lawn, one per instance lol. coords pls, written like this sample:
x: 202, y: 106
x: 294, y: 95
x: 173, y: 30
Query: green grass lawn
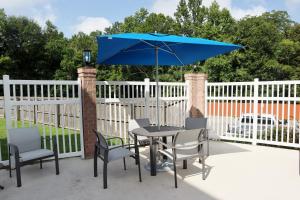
x: 62, y: 134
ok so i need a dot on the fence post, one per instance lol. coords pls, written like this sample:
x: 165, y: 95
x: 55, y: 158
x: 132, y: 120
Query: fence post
x: 205, y: 91
x: 81, y: 117
x: 7, y: 103
x: 87, y: 76
x: 255, y: 111
x: 196, y: 94
x: 147, y: 97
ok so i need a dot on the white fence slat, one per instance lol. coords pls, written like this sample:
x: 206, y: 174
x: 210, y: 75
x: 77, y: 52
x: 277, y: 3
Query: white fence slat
x: 282, y: 115
x: 294, y: 113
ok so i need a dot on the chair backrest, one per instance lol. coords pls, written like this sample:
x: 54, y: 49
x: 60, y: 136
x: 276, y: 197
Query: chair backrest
x: 26, y: 139
x: 195, y: 123
x: 187, y: 142
x: 101, y: 142
x: 138, y: 123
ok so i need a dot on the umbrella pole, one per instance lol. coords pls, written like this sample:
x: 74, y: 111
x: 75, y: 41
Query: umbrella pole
x: 157, y: 88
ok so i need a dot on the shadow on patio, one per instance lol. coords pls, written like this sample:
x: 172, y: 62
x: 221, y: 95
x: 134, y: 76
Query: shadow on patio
x: 237, y: 171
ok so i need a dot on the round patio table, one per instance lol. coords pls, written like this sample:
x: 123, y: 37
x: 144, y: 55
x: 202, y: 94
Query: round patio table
x: 154, y: 132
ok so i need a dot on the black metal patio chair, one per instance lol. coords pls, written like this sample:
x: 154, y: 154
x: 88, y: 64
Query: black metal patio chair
x: 1, y: 166
x: 25, y: 148
x: 110, y: 153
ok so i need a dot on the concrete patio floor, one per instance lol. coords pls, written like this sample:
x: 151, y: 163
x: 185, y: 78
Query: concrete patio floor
x: 236, y: 172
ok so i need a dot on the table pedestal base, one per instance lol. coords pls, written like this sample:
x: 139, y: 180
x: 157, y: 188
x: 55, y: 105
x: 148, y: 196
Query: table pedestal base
x: 161, y: 166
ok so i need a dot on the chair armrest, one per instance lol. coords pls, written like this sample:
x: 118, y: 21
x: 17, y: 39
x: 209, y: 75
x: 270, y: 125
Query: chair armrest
x: 186, y: 146
x: 99, y: 146
x: 15, y: 149
x: 206, y: 134
x: 164, y: 144
x: 54, y: 144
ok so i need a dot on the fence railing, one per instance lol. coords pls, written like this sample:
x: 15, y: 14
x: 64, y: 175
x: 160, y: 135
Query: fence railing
x: 257, y: 112
x: 52, y: 106
x: 120, y: 101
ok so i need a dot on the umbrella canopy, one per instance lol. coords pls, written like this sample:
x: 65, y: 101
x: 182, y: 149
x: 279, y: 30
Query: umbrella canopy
x: 157, y: 49
x: 139, y: 49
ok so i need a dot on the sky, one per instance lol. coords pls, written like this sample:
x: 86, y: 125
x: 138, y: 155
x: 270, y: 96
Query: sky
x: 72, y: 16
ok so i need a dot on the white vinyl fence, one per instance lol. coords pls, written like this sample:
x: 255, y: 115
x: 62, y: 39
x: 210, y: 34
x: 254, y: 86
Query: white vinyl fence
x: 256, y: 112
x: 120, y: 101
x: 52, y: 106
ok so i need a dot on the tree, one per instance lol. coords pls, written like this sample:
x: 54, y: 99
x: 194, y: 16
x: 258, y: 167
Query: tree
x: 72, y: 55
x: 271, y: 44
x: 23, y: 44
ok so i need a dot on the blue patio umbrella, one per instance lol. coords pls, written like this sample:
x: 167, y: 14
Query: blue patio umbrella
x: 157, y: 49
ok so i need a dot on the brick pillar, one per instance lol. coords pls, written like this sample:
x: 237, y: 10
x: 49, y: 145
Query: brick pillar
x: 196, y: 94
x: 87, y: 76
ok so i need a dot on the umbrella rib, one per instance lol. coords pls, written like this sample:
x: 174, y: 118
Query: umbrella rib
x: 173, y: 53
x: 156, y: 47
x: 133, y: 50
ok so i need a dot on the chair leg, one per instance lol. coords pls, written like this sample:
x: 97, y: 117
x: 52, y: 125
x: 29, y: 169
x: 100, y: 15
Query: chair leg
x: 184, y: 163
x: 95, y: 163
x: 203, y: 163
x: 207, y: 147
x: 9, y: 165
x: 124, y: 162
x: 56, y: 163
x: 175, y: 172
x: 41, y: 164
x: 201, y: 149
x: 1, y: 187
x: 136, y: 149
x: 18, y: 172
x: 104, y: 174
x: 203, y: 167
x: 139, y: 164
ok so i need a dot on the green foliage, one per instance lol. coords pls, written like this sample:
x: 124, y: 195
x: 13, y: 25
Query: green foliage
x: 271, y: 45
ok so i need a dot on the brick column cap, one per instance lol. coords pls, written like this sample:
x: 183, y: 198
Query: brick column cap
x: 195, y: 76
x: 87, y: 72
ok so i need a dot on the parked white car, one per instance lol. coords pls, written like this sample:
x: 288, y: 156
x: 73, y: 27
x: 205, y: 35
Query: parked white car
x: 244, y: 125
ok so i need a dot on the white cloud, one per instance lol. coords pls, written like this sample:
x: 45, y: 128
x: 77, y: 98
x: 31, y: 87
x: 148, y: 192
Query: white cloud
x: 222, y: 3
x: 90, y: 24
x: 292, y: 4
x: 14, y: 4
x: 239, y: 13
x: 38, y: 10
x: 168, y: 7
x: 43, y: 14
